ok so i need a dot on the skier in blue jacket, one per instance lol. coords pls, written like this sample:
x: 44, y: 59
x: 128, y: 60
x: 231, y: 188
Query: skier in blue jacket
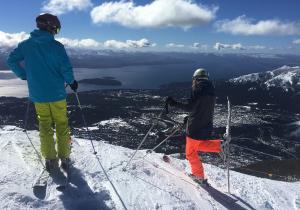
x: 47, y: 69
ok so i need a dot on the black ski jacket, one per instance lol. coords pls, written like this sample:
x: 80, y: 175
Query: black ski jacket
x: 201, y: 110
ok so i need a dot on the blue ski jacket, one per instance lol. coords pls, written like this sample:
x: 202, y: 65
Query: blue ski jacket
x: 46, y: 66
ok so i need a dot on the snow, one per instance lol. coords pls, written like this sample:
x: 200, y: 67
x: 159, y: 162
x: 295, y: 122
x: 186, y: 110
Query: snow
x: 115, y: 123
x: 147, y: 183
x: 246, y: 78
x: 285, y: 77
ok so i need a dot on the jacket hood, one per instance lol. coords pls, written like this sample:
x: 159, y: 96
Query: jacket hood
x: 203, y: 87
x: 41, y: 36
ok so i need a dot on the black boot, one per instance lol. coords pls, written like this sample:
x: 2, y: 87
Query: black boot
x: 51, y: 164
x: 65, y: 163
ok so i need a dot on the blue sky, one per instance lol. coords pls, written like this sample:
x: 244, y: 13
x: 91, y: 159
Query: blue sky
x: 264, y: 26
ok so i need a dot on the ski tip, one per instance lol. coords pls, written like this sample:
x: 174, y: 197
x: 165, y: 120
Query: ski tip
x: 39, y: 192
x: 166, y: 159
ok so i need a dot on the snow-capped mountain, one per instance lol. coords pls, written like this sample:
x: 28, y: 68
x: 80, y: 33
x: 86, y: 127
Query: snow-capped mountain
x: 287, y: 78
x: 148, y: 183
x: 280, y: 87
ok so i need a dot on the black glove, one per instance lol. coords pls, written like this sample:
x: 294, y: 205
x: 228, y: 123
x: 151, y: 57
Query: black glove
x: 171, y: 101
x: 185, y: 119
x: 74, y: 86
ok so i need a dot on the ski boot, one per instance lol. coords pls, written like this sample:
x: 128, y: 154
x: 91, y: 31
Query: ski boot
x: 65, y: 163
x: 51, y: 164
x: 199, y: 180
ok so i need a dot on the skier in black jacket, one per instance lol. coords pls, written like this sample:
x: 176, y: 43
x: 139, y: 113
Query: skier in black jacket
x: 200, y: 121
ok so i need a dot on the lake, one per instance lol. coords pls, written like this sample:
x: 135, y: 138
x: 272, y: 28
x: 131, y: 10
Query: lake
x: 131, y: 77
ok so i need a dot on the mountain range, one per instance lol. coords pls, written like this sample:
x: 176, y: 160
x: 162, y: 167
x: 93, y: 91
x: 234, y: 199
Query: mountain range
x: 220, y: 66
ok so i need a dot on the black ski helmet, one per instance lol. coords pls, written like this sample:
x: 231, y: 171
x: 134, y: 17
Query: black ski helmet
x: 48, y: 22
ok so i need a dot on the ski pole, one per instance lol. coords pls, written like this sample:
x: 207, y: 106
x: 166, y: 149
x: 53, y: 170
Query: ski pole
x: 142, y: 142
x: 167, y: 107
x: 83, y: 119
x: 228, y: 136
x: 95, y: 153
x: 25, y: 131
x: 147, y: 134
x: 166, y: 139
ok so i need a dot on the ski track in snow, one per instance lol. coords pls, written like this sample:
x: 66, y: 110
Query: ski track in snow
x: 147, y: 183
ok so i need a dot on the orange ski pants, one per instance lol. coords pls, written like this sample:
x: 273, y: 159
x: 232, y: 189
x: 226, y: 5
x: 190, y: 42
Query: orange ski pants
x: 193, y: 147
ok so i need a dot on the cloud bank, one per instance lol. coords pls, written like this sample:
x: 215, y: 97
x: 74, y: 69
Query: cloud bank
x: 157, y: 14
x: 80, y: 43
x: 238, y: 46
x: 59, y: 7
x: 173, y: 45
x: 297, y: 41
x: 197, y: 45
x: 143, y: 43
x: 11, y: 40
x: 8, y: 40
x: 245, y: 26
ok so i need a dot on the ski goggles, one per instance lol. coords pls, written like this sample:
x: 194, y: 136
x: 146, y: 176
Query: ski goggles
x: 57, y: 30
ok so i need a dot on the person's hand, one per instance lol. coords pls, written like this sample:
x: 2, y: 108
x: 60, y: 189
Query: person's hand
x: 185, y: 119
x: 170, y: 101
x: 74, y: 86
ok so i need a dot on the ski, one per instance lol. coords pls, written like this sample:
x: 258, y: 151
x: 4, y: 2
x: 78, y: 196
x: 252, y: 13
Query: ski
x: 59, y: 177
x: 66, y: 181
x: 40, y: 184
x: 213, y: 192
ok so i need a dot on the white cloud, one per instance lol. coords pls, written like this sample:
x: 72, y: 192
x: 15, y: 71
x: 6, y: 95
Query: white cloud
x: 143, y: 43
x: 59, y: 7
x: 80, y: 43
x: 197, y: 45
x: 158, y: 13
x: 173, y: 45
x: 115, y: 44
x: 8, y: 40
x: 219, y: 46
x: 12, y: 40
x: 256, y: 47
x: 245, y: 26
x: 297, y: 41
x: 238, y: 46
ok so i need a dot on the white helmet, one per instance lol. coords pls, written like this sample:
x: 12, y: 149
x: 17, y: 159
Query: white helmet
x: 201, y: 73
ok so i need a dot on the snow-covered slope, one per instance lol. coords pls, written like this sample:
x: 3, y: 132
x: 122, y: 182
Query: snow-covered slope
x: 285, y: 77
x: 148, y: 184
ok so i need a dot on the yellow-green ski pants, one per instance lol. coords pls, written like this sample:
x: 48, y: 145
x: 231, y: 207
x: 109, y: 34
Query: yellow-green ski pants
x: 53, y: 115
